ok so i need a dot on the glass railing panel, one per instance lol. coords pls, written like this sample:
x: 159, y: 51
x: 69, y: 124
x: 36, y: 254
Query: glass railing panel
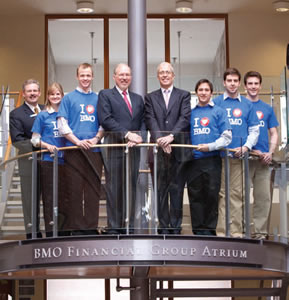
x: 150, y: 191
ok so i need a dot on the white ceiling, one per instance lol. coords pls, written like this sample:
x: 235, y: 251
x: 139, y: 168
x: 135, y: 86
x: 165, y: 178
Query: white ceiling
x: 29, y: 7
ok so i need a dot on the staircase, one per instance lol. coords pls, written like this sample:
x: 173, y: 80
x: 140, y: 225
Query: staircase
x: 13, y: 223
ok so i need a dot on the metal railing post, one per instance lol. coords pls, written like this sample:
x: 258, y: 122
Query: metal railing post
x: 283, y: 204
x: 247, y: 195
x: 34, y: 212
x: 55, y: 194
x: 155, y: 152
x: 127, y: 189
x: 227, y: 193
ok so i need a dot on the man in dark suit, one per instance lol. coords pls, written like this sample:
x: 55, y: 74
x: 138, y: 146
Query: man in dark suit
x: 167, y: 117
x: 121, y: 114
x: 21, y: 122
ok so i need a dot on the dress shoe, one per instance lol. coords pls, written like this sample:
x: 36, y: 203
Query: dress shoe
x: 163, y: 231
x: 111, y: 231
x: 29, y: 235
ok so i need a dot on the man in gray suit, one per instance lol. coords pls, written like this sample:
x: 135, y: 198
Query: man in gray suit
x: 121, y: 114
x: 167, y: 117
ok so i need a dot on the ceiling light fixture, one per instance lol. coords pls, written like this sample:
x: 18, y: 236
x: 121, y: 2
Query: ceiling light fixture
x: 184, y: 6
x: 85, y: 7
x: 281, y: 6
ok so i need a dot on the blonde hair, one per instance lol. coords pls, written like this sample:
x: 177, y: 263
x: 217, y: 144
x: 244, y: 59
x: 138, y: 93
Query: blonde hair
x: 55, y: 86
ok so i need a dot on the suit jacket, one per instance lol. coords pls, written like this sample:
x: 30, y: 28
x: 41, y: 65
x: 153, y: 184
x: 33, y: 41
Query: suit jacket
x: 114, y: 115
x: 161, y: 121
x: 21, y: 122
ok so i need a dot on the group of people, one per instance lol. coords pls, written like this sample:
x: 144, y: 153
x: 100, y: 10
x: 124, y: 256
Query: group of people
x: 118, y: 116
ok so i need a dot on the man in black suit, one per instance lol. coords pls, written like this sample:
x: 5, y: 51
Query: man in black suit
x: 121, y: 114
x: 21, y: 122
x: 167, y: 117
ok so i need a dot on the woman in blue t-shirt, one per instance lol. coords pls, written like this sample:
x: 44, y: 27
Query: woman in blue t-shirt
x: 46, y: 135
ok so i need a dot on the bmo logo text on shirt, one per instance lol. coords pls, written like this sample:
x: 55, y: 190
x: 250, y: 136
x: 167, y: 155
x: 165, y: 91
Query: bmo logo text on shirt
x: 204, y: 123
x: 235, y: 116
x: 86, y: 113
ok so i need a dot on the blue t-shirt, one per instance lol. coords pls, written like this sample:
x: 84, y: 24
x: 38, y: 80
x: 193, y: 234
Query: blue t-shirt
x: 79, y: 109
x: 45, y: 124
x: 206, y: 126
x: 267, y: 119
x: 241, y: 115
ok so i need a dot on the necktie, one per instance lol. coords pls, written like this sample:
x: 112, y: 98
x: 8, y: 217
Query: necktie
x: 127, y: 101
x: 166, y: 97
x: 36, y: 110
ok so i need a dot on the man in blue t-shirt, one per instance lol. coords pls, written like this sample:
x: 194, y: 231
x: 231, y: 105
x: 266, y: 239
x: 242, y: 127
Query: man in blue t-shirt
x: 245, y: 132
x: 78, y: 123
x: 210, y: 131
x: 260, y: 172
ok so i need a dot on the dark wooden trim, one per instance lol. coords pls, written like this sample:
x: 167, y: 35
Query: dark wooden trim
x: 45, y: 289
x: 188, y: 16
x: 167, y: 40
x: 107, y: 289
x: 46, y: 55
x: 106, y: 17
x: 106, y: 52
x: 171, y: 286
x: 149, y: 16
x: 227, y: 41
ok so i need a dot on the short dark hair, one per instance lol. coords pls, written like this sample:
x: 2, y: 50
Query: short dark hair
x: 84, y: 66
x: 252, y: 74
x: 232, y: 71
x: 204, y: 80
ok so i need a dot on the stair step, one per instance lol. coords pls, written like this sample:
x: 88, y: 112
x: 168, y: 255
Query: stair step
x: 14, y: 202
x: 16, y: 228
x: 14, y: 191
x: 14, y: 196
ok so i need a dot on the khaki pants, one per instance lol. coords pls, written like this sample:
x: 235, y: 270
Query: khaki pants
x: 260, y: 180
x: 237, y: 194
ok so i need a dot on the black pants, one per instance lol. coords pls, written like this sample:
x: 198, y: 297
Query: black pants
x: 170, y: 189
x: 115, y: 186
x: 203, y: 184
x: 46, y: 172
x: 83, y: 170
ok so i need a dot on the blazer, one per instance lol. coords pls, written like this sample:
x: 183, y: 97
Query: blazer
x: 21, y: 122
x: 161, y: 121
x: 115, y: 117
x: 175, y: 120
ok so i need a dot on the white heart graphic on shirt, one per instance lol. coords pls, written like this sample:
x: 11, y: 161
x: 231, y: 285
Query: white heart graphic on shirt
x: 90, y: 109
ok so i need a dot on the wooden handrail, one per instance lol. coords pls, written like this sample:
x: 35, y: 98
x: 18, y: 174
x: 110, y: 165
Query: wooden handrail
x: 3, y: 164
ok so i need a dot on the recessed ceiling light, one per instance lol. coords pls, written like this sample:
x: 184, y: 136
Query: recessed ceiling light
x: 281, y: 6
x: 85, y: 7
x: 184, y: 6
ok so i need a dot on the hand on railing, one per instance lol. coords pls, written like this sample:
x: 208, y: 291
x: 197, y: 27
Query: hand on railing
x: 84, y: 144
x: 133, y: 139
x: 203, y: 147
x: 240, y: 151
x: 265, y: 157
x: 165, y: 142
